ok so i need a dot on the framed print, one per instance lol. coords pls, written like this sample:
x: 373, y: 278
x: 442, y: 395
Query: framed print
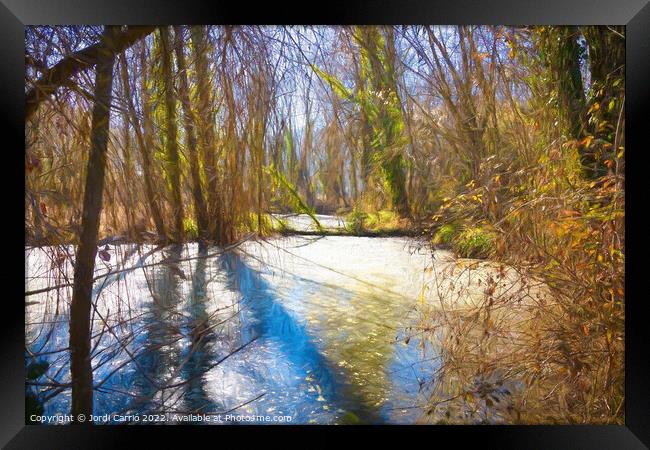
x: 398, y: 218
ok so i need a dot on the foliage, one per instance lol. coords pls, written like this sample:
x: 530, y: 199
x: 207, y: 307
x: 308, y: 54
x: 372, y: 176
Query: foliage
x: 467, y: 242
x: 377, y: 98
x: 354, y: 221
x: 475, y: 243
x: 444, y: 234
x: 570, y: 357
x: 383, y: 220
x: 297, y: 202
x: 190, y: 229
x: 561, y: 228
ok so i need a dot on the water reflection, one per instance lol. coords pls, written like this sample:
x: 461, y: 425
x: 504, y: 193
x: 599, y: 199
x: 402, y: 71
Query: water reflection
x: 325, y: 316
x: 201, y: 334
x: 296, y: 365
x: 161, y: 338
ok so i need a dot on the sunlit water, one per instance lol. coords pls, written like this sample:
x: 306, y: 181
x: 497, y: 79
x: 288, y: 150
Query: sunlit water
x: 320, y: 320
x: 306, y: 223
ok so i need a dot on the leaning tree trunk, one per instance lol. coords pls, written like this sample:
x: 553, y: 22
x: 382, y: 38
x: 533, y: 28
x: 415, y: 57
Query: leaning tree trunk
x: 72, y: 64
x: 80, y: 365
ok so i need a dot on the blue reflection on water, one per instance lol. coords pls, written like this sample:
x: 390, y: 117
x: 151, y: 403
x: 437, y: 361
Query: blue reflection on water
x: 295, y: 366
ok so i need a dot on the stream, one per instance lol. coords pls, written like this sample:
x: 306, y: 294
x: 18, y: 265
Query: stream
x: 309, y: 329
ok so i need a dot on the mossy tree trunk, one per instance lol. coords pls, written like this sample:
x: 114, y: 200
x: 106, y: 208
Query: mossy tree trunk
x: 607, y: 66
x: 192, y: 149
x: 206, y: 135
x: 172, y: 154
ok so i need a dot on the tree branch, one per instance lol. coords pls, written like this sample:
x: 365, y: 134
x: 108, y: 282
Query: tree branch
x: 75, y: 63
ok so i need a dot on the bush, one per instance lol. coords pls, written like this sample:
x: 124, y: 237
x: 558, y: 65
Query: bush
x: 474, y: 242
x: 445, y: 234
x: 383, y: 220
x: 354, y: 222
x: 564, y: 233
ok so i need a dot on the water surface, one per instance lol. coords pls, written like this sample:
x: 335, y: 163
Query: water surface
x: 315, y: 323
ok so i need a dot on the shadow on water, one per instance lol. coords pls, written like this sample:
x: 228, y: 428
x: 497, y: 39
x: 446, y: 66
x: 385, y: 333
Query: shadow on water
x: 198, y: 355
x: 324, y: 351
x: 160, y: 355
x: 263, y: 316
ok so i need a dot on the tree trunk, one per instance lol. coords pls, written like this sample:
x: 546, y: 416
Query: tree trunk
x: 572, y: 95
x: 607, y: 67
x: 380, y: 77
x: 173, y: 160
x: 145, y: 142
x: 80, y: 364
x: 190, y: 133
x: 206, y: 134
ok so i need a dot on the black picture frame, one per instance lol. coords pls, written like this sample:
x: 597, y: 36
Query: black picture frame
x: 635, y: 14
